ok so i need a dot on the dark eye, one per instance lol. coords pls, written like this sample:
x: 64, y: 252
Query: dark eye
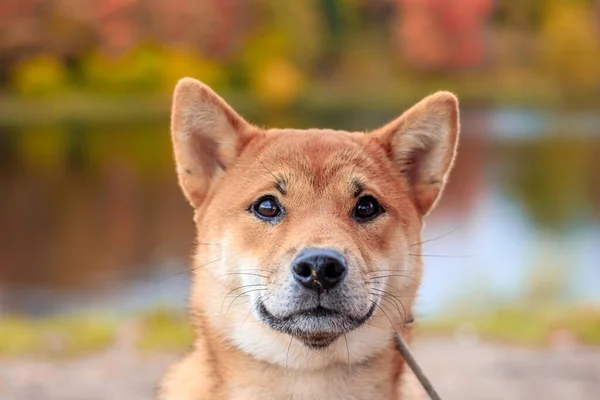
x: 366, y: 209
x: 267, y: 208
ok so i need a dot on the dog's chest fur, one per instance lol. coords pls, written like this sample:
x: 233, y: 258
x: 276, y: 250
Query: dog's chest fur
x: 201, y: 378
x: 306, y: 386
x: 369, y: 381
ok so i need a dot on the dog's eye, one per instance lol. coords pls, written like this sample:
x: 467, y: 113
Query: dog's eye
x: 366, y: 209
x: 267, y: 208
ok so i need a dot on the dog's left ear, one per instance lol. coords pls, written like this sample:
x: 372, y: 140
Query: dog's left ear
x: 208, y: 136
x: 422, y: 143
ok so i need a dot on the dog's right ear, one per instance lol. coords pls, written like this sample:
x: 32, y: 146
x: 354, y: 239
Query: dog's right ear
x: 207, y: 134
x: 422, y: 144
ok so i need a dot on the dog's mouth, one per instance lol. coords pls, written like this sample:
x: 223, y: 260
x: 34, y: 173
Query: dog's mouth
x: 318, y: 327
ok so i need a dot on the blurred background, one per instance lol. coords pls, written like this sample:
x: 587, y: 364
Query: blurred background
x: 94, y: 231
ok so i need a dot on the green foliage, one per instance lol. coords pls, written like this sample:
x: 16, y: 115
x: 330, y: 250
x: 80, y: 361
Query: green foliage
x: 268, y: 69
x: 57, y: 337
x: 520, y: 324
x: 17, y: 337
x: 160, y: 329
x: 164, y: 330
x: 40, y: 76
x: 515, y: 324
x: 584, y: 323
x: 179, y: 62
x: 570, y: 49
x: 547, y: 283
x: 138, y: 71
x: 552, y: 178
x: 149, y: 69
x: 74, y: 336
x: 296, y: 33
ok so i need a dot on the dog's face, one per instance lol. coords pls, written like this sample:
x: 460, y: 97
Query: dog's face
x: 312, y: 233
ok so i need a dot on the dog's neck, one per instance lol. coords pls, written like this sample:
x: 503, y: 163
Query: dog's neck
x: 242, y: 376
x: 233, y: 359
x: 238, y: 373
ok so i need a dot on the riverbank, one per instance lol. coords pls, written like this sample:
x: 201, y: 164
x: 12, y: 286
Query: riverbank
x: 460, y: 368
x: 89, y: 107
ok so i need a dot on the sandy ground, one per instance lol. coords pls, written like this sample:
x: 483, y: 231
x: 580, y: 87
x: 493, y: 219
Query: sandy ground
x: 462, y: 370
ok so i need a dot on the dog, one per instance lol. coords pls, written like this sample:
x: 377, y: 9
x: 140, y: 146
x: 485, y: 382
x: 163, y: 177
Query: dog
x: 308, y: 244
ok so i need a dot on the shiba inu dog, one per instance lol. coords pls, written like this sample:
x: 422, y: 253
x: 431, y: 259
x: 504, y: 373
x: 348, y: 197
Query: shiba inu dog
x: 308, y: 246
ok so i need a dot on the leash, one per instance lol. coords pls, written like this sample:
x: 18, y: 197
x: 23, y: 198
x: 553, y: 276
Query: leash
x: 414, y: 366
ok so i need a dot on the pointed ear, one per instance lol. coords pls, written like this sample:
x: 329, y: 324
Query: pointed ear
x: 207, y: 136
x: 422, y: 143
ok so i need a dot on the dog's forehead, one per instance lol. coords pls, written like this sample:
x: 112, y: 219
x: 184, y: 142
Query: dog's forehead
x: 319, y: 162
x: 316, y: 151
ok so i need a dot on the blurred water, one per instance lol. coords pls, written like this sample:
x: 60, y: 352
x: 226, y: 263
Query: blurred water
x: 92, y: 218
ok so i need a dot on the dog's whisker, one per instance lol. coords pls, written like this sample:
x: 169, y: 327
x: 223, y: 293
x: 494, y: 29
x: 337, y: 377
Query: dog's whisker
x: 347, y: 352
x: 186, y: 271
x: 288, y: 351
x: 252, y: 310
x: 390, y: 301
x: 242, y: 294
x: 373, y: 278
x: 246, y: 273
x: 398, y: 297
x: 439, y: 237
x: 211, y: 262
x: 242, y: 287
x: 194, y: 268
x: 205, y: 264
x: 256, y: 269
x: 374, y: 326
x: 237, y: 288
x: 390, y: 270
x: 384, y: 283
x: 440, y: 255
x: 404, y: 314
x: 245, y: 299
x: 385, y: 297
x: 239, y: 303
x: 388, y: 318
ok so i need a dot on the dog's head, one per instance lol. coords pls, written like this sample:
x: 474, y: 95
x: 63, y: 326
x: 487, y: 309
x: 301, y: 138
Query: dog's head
x: 314, y: 233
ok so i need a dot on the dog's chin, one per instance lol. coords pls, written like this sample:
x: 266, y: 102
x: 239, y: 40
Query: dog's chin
x: 317, y: 328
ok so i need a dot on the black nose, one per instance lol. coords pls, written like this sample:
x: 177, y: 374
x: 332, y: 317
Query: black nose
x: 319, y: 269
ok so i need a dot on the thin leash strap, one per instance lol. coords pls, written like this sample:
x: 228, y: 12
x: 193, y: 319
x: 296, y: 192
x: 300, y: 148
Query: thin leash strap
x: 412, y: 363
